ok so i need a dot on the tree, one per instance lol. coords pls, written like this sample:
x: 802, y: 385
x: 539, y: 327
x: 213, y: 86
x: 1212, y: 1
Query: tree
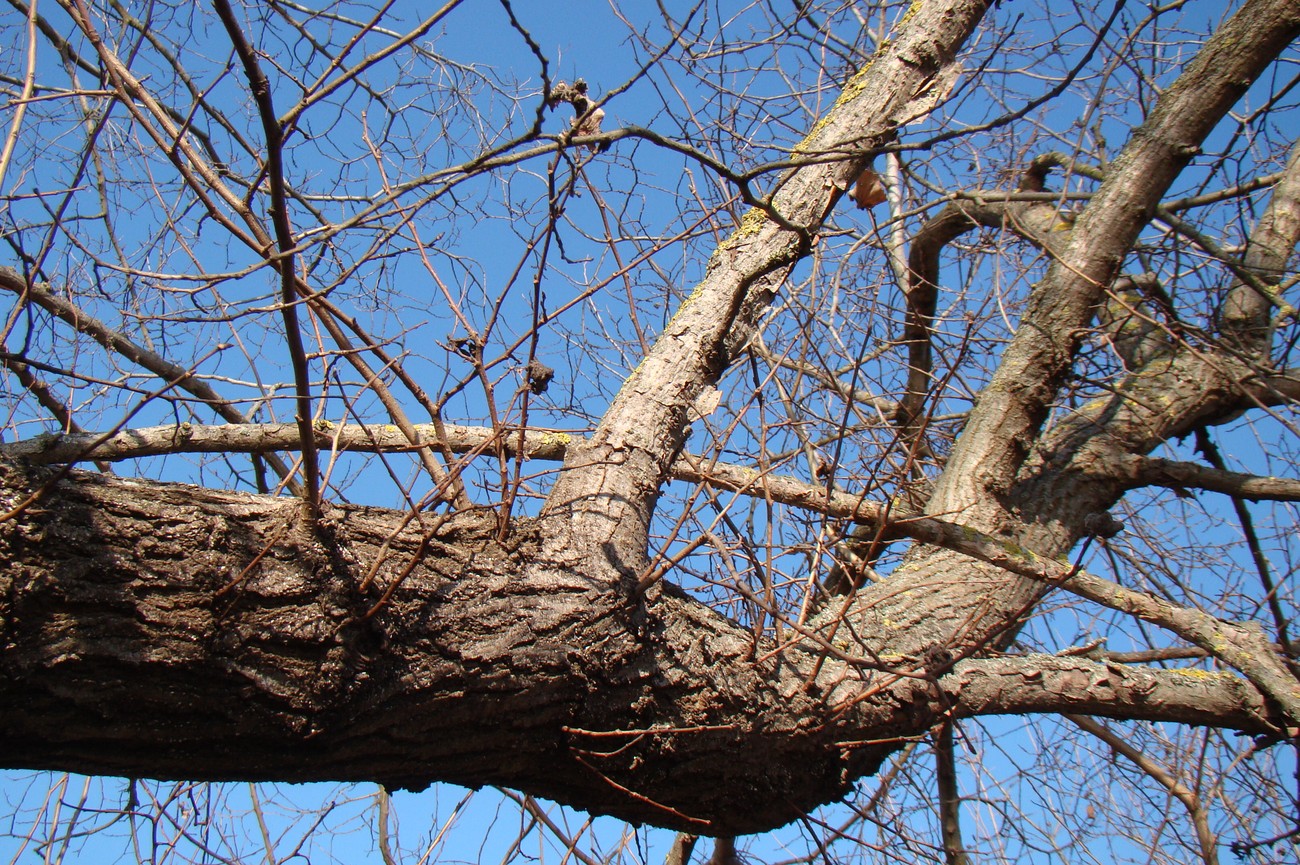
x: 822, y: 487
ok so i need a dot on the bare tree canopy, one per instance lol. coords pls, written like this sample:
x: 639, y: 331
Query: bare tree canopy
x: 717, y: 416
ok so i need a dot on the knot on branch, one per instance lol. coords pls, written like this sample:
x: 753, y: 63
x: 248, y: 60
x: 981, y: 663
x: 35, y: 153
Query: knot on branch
x: 1102, y: 525
x: 1131, y: 317
x: 539, y: 377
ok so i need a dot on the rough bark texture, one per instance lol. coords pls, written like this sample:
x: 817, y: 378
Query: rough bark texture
x: 162, y: 630
x: 607, y: 493
x: 171, y: 631
x: 990, y: 482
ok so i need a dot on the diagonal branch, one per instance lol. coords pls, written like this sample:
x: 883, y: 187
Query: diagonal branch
x: 1180, y: 791
x: 605, y: 497
x: 1012, y: 408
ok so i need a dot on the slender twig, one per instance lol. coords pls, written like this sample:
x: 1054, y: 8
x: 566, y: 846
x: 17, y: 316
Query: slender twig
x: 274, y: 133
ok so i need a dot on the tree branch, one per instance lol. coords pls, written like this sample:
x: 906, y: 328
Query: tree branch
x: 1179, y: 475
x: 260, y: 87
x: 1204, y: 835
x: 178, y: 376
x: 607, y: 492
x: 1014, y: 405
x: 1049, y: 683
x: 954, y: 851
x: 202, y: 636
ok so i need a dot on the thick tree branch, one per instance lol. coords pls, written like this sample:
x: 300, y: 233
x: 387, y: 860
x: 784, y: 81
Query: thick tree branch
x: 203, y: 636
x: 608, y: 490
x: 1242, y: 646
x: 1046, y: 507
x: 1013, y: 406
x: 1179, y: 475
x: 995, y: 686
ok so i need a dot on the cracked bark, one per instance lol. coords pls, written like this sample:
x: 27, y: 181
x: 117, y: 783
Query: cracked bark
x: 173, y: 631
x: 176, y: 632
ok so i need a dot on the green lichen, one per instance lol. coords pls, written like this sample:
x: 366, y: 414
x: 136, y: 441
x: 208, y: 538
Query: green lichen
x: 1024, y: 554
x: 1094, y: 406
x: 1285, y: 311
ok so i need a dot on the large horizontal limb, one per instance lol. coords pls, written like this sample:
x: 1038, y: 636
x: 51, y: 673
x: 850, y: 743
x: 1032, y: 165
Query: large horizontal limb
x: 162, y: 630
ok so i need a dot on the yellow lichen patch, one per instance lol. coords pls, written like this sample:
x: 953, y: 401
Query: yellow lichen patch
x: 750, y: 224
x: 851, y: 90
x: 553, y: 439
x: 1094, y: 406
x: 1196, y: 674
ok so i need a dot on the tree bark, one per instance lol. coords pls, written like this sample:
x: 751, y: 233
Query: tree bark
x: 1005, y: 477
x: 170, y: 631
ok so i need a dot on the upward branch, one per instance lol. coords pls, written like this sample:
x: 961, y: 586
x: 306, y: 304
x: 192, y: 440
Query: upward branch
x: 607, y: 493
x: 261, y: 90
x: 1013, y: 406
